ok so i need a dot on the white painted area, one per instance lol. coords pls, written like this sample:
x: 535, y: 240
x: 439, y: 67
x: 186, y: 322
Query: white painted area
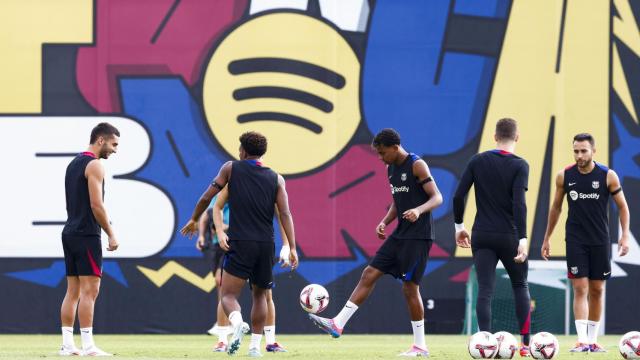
x: 33, y: 187
x: 264, y: 5
x: 349, y: 15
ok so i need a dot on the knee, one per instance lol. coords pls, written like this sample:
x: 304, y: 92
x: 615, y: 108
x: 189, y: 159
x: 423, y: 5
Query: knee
x: 410, y: 290
x: 90, y: 293
x: 595, y: 292
x: 580, y: 291
x: 367, y: 276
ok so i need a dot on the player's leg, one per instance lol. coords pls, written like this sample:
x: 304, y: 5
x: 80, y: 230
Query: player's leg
x: 222, y: 325
x: 599, y: 272
x: 412, y: 261
x: 485, y: 260
x: 69, y: 303
x: 270, y: 326
x: 261, y: 278
x: 518, y: 273
x: 578, y: 272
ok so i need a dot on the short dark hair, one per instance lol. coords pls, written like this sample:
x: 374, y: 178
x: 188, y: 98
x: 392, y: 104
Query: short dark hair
x: 386, y: 137
x: 254, y: 143
x: 506, y: 129
x: 585, y: 137
x: 103, y: 129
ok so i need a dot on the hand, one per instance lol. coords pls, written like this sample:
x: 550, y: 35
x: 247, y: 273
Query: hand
x: 200, y: 243
x: 522, y: 254
x: 284, y: 256
x: 113, y: 243
x: 223, y: 240
x: 190, y: 228
x: 546, y: 249
x: 293, y: 259
x: 463, y: 239
x: 623, y: 245
x: 380, y: 231
x: 412, y: 215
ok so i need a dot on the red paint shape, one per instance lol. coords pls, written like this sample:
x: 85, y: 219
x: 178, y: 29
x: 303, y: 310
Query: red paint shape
x: 123, y: 35
x: 462, y: 277
x: 437, y: 251
x: 320, y: 218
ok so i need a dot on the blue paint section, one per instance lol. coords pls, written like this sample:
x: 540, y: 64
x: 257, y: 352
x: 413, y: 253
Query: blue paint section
x: 50, y: 276
x: 399, y: 72
x: 165, y: 105
x: 623, y: 162
x: 324, y: 272
x: 112, y: 269
x: 446, y: 182
x: 486, y: 8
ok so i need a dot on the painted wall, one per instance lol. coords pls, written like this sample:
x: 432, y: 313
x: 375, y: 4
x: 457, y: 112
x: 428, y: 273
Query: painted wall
x: 182, y: 79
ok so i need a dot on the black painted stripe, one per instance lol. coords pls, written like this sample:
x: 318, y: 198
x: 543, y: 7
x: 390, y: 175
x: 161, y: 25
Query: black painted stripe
x: 283, y: 93
x: 352, y: 184
x: 276, y: 116
x: 289, y: 66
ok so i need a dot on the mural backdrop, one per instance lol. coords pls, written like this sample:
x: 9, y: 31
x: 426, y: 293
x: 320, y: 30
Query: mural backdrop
x: 182, y: 79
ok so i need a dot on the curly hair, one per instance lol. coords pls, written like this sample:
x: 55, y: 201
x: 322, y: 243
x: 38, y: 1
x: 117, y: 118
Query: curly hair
x: 386, y: 137
x: 254, y: 143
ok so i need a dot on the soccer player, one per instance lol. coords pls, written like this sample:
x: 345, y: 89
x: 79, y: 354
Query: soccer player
x: 404, y: 253
x: 588, y: 186
x: 500, y: 180
x: 253, y: 191
x: 86, y: 216
x: 221, y: 203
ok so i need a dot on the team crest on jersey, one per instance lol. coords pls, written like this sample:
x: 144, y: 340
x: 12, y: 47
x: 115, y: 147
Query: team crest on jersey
x: 595, y: 184
x: 574, y: 270
x: 403, y: 177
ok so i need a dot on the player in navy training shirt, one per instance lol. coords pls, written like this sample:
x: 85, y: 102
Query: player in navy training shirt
x: 588, y: 186
x: 500, y: 228
x: 253, y: 191
x: 404, y: 253
x: 86, y: 217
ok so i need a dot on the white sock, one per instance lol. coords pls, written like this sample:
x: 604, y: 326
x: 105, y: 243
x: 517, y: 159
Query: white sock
x: 67, y: 337
x: 270, y: 334
x: 86, y: 334
x: 223, y: 331
x: 255, y: 341
x: 418, y: 334
x: 592, y: 331
x: 345, y: 314
x: 581, y: 329
x: 235, y: 318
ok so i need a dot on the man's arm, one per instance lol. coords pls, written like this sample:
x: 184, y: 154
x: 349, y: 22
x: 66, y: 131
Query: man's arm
x: 463, y: 238
x: 421, y: 172
x: 614, y: 187
x: 392, y: 213
x: 202, y: 228
x: 554, y: 214
x: 218, y: 183
x: 285, y: 250
x: 94, y: 172
x: 520, y: 185
x: 286, y: 219
x: 218, y: 221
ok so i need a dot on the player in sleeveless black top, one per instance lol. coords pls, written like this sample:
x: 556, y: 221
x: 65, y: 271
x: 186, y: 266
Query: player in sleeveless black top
x: 500, y: 228
x: 253, y: 191
x: 404, y: 253
x: 86, y: 217
x: 588, y: 186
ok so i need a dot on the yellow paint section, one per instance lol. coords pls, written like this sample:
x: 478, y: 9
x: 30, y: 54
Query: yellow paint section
x: 528, y: 89
x: 167, y: 271
x: 25, y: 25
x: 292, y: 148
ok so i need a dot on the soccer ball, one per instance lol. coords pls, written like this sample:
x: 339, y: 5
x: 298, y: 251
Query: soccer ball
x: 314, y: 298
x: 507, y: 345
x: 483, y: 345
x: 629, y: 345
x: 544, y: 346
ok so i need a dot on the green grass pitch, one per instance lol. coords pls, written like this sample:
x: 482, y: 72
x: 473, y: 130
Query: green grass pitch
x: 300, y: 347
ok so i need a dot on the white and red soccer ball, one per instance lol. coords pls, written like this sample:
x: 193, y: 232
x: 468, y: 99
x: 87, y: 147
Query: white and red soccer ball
x: 483, y: 345
x: 314, y: 298
x: 629, y: 345
x: 544, y: 346
x: 507, y: 345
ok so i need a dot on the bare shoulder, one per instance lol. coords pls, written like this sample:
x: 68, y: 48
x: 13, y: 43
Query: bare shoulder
x: 94, y: 168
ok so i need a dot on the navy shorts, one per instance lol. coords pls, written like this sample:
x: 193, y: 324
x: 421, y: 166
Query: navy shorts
x: 251, y: 260
x: 589, y: 261
x: 82, y: 255
x: 404, y: 259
